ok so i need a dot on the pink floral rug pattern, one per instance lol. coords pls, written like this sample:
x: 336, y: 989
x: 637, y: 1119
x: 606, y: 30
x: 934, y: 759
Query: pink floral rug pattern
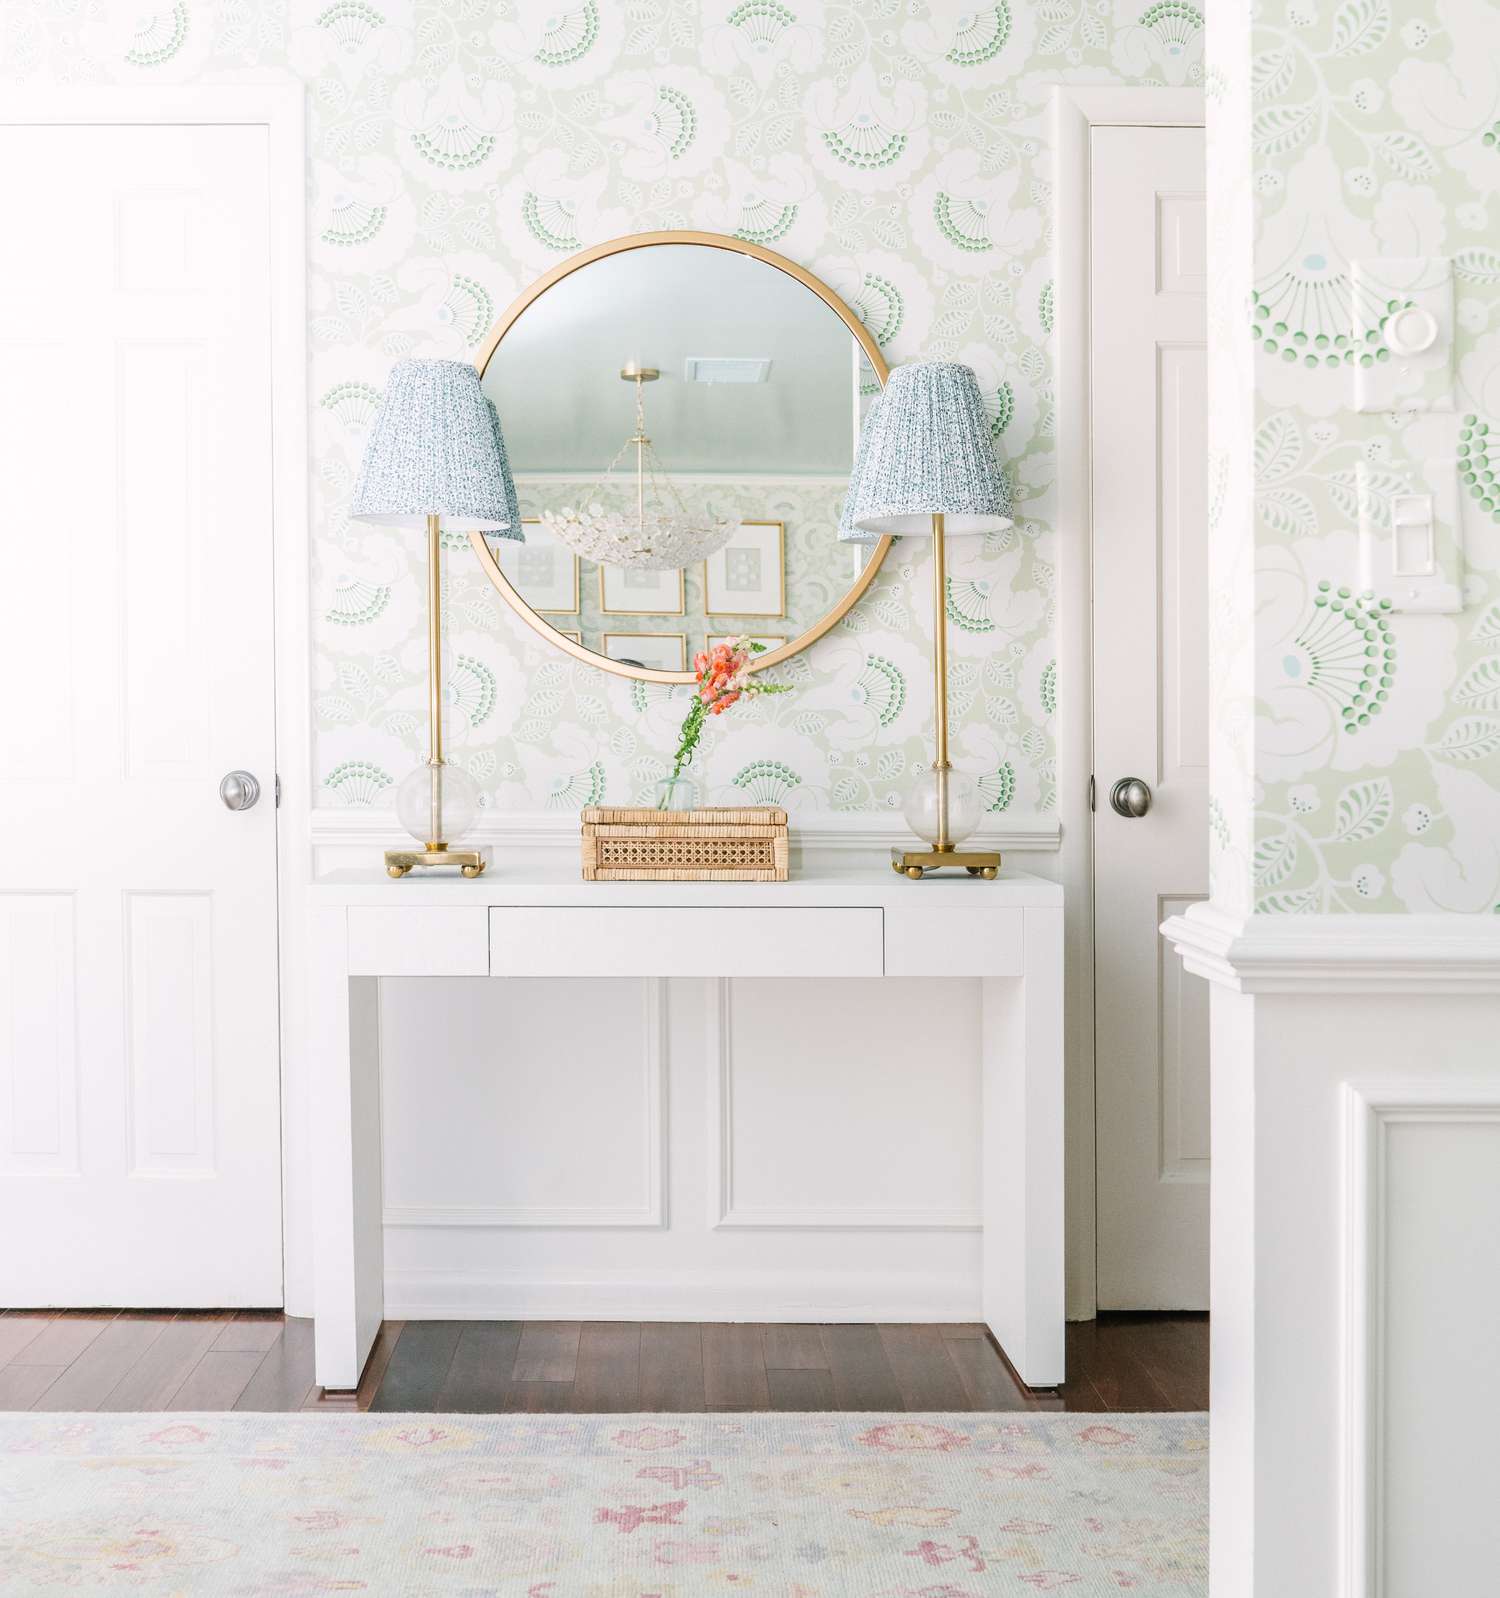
x: 604, y: 1506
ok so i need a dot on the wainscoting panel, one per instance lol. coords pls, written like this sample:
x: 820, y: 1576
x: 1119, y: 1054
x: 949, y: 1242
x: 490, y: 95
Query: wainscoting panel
x: 763, y: 1149
x: 1423, y: 1257
x: 845, y: 1104
x: 525, y: 1102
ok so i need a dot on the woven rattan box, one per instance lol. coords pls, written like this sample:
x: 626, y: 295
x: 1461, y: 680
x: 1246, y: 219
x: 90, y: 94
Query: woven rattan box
x: 715, y: 844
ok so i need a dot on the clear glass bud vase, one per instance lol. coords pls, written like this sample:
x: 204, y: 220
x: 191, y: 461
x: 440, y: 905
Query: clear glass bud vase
x: 677, y: 793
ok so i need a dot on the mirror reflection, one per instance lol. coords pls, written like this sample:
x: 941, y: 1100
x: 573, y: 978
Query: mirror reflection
x: 681, y: 420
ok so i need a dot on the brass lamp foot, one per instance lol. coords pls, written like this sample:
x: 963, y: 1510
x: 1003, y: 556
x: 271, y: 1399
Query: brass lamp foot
x: 470, y: 861
x: 915, y: 863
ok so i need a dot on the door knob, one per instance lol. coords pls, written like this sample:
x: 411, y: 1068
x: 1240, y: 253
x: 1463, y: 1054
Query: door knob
x: 1130, y: 797
x: 239, y: 790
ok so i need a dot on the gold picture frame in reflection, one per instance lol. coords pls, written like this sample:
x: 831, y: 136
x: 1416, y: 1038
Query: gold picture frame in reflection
x: 748, y: 576
x: 767, y: 641
x: 542, y: 570
x: 653, y: 651
x: 632, y: 591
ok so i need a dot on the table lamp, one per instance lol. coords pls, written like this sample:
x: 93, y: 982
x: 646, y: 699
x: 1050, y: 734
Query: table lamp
x: 436, y: 455
x: 926, y: 469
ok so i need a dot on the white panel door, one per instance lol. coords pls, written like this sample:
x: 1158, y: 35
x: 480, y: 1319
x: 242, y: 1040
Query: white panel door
x: 139, y: 1070
x: 1148, y: 247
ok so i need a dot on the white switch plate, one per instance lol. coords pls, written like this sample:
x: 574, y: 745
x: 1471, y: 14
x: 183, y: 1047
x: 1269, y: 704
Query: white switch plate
x: 1403, y: 333
x: 1411, y: 542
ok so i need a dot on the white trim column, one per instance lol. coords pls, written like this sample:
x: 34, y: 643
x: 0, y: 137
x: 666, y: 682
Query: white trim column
x: 1355, y: 1251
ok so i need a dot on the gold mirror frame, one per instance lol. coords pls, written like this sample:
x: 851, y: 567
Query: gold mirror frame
x: 637, y: 241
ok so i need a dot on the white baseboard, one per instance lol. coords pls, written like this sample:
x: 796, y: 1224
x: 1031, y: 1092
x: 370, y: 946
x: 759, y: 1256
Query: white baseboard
x: 684, y: 1296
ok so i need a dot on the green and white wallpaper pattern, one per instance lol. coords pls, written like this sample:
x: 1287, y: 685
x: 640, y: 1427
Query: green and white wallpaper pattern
x: 1373, y: 127
x: 458, y: 150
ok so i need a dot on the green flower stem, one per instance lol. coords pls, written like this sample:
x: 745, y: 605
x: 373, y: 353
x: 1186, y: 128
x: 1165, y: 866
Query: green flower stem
x: 692, y: 731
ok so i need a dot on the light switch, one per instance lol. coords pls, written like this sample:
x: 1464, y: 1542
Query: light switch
x: 1403, y: 334
x: 1411, y: 541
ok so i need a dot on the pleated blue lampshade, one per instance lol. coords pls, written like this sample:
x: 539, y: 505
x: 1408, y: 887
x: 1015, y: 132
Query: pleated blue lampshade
x: 436, y: 449
x: 513, y: 528
x: 926, y: 451
x: 848, y: 533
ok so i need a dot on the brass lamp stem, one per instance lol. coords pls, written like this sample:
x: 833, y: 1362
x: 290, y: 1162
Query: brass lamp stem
x: 435, y: 681
x: 941, y: 765
x: 944, y: 853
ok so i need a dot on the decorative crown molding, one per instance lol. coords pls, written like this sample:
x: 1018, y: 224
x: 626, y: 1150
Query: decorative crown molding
x: 1339, y: 953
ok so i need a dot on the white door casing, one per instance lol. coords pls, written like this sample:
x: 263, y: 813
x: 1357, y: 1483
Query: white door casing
x: 1148, y: 418
x: 139, y: 1051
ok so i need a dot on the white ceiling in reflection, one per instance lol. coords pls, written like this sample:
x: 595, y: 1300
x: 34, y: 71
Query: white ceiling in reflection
x: 555, y: 376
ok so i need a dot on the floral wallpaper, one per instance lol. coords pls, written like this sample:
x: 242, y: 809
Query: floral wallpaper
x: 1373, y: 130
x: 458, y: 150
x: 900, y: 150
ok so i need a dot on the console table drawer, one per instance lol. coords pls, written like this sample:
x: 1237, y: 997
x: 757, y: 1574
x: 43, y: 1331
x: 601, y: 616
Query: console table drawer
x: 669, y: 941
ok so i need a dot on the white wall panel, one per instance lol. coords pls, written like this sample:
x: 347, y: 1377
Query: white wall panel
x: 1424, y: 1295
x: 526, y: 1101
x: 848, y: 1103
x: 38, y: 1033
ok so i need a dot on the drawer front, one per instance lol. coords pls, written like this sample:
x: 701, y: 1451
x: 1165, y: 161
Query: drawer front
x: 418, y: 942
x: 928, y: 942
x: 684, y: 942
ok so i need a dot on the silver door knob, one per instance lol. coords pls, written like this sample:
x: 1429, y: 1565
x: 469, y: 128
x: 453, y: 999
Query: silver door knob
x: 239, y: 790
x: 1130, y: 797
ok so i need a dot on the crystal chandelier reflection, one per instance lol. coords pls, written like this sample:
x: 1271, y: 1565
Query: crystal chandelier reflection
x: 654, y: 531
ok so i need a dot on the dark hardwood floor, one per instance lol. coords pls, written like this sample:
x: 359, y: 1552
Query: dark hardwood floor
x: 262, y: 1360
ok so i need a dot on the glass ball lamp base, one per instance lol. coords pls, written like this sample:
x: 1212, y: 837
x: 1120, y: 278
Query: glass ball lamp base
x: 944, y: 806
x: 436, y: 804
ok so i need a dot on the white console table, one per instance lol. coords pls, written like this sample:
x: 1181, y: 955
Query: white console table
x: 545, y: 922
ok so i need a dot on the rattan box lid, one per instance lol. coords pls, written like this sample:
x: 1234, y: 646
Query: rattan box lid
x: 709, y: 816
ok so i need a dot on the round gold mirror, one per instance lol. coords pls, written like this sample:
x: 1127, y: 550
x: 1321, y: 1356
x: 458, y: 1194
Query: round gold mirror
x: 680, y: 411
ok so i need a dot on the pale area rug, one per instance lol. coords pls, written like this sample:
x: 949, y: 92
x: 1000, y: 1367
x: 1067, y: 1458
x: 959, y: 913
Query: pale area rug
x: 604, y: 1506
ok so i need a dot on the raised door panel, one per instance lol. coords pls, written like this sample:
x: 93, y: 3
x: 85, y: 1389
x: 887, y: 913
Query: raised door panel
x: 170, y: 1033
x: 38, y: 1033
x: 165, y: 624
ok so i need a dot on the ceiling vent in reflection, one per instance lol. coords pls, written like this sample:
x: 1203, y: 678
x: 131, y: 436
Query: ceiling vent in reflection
x: 726, y: 369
